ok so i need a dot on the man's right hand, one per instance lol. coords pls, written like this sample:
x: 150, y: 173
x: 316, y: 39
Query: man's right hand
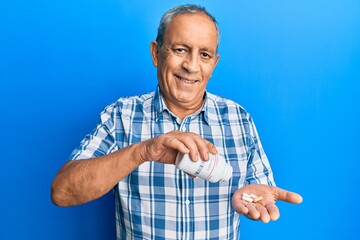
x: 165, y: 147
x: 81, y: 181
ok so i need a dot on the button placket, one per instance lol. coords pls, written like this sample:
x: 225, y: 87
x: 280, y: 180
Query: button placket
x: 186, y: 124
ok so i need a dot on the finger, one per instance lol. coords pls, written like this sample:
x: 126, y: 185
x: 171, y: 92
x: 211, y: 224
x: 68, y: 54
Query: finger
x: 264, y: 215
x: 238, y: 204
x: 196, y: 145
x: 190, y: 175
x: 290, y: 197
x: 177, y: 145
x: 203, y: 147
x: 241, y: 208
x: 187, y: 142
x: 194, y: 154
x: 211, y: 147
x: 253, y: 212
x: 273, y: 211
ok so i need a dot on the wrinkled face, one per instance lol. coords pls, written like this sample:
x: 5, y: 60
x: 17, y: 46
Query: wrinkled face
x: 185, y: 61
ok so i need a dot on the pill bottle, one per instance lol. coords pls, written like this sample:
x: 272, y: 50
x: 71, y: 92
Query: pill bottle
x: 213, y: 170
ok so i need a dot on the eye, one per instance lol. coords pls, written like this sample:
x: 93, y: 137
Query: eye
x: 179, y: 50
x: 206, y: 55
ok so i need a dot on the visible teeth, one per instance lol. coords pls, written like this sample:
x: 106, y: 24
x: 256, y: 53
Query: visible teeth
x: 186, y: 80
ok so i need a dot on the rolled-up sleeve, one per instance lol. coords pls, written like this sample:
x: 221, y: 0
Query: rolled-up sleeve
x: 101, y: 140
x: 258, y: 167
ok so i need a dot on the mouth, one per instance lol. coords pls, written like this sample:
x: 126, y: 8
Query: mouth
x: 188, y: 81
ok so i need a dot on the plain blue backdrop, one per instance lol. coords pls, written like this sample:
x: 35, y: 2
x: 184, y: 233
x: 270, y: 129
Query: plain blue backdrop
x: 294, y: 65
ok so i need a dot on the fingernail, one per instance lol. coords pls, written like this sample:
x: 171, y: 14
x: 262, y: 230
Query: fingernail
x: 214, y: 150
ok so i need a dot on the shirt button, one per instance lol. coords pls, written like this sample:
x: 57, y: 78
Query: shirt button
x: 187, y: 202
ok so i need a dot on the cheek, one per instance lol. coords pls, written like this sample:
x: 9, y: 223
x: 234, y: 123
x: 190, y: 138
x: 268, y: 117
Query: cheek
x: 165, y: 65
x: 173, y: 62
x: 207, y: 71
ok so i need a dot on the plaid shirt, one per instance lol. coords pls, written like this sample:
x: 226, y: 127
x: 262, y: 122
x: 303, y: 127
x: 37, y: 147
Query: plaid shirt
x: 158, y: 201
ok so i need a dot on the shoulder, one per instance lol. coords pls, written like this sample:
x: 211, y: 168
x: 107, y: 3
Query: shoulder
x: 130, y: 104
x: 226, y: 112
x: 144, y: 99
x: 226, y: 106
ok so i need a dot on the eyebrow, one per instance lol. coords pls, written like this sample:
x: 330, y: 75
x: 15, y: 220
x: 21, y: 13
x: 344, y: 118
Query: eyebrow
x: 208, y: 50
x: 187, y: 46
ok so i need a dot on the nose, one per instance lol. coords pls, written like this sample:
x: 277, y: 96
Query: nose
x: 191, y: 63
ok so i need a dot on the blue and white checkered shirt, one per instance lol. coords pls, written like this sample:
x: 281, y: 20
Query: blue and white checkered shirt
x: 158, y: 201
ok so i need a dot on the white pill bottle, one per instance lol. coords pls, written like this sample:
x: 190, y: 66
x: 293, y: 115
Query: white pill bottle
x: 214, y: 170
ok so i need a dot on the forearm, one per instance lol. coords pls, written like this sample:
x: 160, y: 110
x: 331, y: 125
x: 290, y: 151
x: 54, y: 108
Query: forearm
x: 81, y: 181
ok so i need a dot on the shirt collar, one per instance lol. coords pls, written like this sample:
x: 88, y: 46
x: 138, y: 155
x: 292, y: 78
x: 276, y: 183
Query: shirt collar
x: 160, y: 106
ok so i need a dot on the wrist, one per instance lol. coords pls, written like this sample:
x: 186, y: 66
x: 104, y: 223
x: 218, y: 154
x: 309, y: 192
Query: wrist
x: 140, y: 152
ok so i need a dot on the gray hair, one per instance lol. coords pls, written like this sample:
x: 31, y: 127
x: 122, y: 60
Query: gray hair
x: 167, y: 18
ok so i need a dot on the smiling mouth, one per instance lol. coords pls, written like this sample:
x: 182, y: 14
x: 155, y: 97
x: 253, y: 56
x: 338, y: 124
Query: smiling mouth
x: 186, y: 80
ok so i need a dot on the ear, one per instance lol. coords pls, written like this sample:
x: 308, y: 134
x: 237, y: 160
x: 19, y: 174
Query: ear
x: 217, y: 57
x: 154, y: 50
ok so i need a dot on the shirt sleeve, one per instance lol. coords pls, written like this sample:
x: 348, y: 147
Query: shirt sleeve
x: 101, y: 140
x: 258, y: 168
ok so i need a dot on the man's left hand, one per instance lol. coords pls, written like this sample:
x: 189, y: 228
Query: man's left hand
x: 264, y: 210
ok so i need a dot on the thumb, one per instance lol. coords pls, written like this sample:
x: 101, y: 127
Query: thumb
x: 286, y: 196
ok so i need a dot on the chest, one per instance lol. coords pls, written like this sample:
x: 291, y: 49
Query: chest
x: 230, y: 139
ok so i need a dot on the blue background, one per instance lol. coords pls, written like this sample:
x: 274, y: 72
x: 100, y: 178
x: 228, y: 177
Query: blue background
x: 294, y: 65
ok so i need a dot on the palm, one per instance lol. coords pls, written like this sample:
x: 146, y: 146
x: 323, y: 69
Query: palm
x: 264, y: 210
x: 259, y: 190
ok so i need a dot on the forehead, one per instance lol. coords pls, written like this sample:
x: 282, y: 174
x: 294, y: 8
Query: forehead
x: 194, y: 29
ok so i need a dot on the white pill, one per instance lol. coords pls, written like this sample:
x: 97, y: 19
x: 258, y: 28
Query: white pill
x: 253, y: 195
x: 246, y: 195
x: 248, y: 199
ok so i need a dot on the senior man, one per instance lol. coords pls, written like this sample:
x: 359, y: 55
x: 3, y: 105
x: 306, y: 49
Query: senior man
x: 133, y: 148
